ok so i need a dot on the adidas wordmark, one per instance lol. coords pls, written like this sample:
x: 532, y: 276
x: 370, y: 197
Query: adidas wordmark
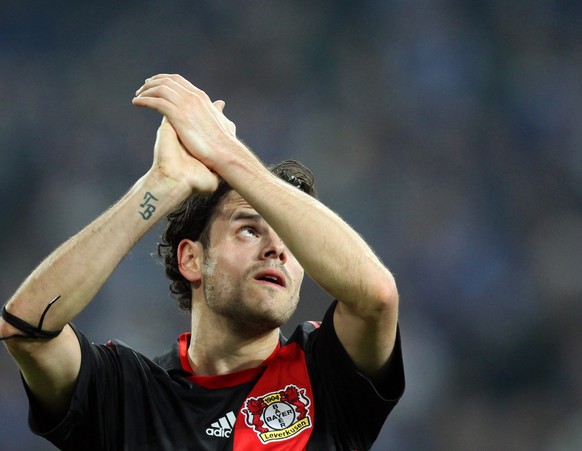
x: 223, y: 426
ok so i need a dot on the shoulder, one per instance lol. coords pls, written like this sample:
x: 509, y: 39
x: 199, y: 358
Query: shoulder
x: 115, y: 356
x: 309, y: 334
x: 302, y: 333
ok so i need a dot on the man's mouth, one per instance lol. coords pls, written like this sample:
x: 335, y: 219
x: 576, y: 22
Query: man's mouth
x: 271, y: 276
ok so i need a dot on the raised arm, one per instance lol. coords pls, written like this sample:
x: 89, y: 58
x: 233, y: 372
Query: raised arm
x: 331, y: 252
x: 78, y: 268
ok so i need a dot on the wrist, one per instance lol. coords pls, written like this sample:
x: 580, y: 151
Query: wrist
x: 164, y: 186
x: 155, y: 195
x: 239, y: 164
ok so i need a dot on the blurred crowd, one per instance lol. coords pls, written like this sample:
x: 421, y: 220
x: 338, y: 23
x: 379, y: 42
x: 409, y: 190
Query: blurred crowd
x: 448, y: 133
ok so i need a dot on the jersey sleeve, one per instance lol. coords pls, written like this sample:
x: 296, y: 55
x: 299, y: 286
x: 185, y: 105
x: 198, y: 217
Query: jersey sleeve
x: 92, y: 421
x: 350, y: 408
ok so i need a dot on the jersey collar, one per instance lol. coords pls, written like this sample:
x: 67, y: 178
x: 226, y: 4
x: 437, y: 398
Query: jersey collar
x: 222, y: 380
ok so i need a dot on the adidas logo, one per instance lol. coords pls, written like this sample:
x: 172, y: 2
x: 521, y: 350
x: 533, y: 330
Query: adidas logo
x: 222, y: 427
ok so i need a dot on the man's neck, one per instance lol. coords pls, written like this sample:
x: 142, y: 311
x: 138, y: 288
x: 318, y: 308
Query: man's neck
x: 215, y: 349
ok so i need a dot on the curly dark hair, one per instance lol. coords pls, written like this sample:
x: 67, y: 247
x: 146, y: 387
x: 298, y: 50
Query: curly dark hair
x: 191, y: 220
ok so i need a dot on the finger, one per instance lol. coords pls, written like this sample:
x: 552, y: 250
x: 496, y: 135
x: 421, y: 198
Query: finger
x: 160, y: 105
x: 166, y: 128
x: 166, y: 124
x: 159, y: 91
x: 158, y: 76
x: 222, y: 119
x: 151, y: 83
x: 220, y: 104
x: 178, y: 80
x: 181, y: 81
x: 156, y: 81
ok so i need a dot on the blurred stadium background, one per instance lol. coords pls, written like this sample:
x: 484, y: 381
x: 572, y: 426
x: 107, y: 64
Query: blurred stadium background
x: 447, y: 132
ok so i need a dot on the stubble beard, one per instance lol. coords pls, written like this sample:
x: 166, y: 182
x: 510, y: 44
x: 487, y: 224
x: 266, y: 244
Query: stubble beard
x: 227, y: 297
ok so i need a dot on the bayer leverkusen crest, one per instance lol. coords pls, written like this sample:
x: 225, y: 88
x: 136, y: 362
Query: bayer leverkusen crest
x: 278, y: 415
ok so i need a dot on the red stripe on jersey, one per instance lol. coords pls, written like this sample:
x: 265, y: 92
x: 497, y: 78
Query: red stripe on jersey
x: 222, y: 380
x: 278, y: 412
x: 314, y: 324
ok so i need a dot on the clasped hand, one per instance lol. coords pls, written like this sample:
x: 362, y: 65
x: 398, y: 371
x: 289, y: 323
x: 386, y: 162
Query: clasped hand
x: 194, y: 132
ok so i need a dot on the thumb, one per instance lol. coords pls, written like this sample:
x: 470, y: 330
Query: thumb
x: 220, y: 105
x: 166, y: 126
x: 166, y: 130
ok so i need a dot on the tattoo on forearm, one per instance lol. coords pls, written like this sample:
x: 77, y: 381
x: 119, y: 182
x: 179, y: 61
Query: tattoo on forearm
x: 148, y: 206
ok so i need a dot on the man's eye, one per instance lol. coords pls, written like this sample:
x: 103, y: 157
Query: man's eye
x: 248, y: 232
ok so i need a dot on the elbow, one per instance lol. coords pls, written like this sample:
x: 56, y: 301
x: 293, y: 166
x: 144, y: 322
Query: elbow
x: 382, y: 298
x: 16, y: 340
x: 388, y: 293
x: 7, y: 331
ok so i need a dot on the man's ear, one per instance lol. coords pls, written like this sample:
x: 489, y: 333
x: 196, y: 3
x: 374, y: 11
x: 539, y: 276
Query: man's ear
x: 190, y: 259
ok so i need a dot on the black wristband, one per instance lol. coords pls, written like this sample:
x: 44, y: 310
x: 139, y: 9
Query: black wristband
x: 29, y: 330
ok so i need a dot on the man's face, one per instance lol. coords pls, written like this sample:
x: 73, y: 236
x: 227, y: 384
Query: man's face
x: 249, y: 276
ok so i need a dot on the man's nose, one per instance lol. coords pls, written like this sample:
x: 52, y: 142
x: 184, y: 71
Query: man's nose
x: 275, y: 248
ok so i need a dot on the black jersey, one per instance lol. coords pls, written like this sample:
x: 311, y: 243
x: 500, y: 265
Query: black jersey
x: 306, y: 395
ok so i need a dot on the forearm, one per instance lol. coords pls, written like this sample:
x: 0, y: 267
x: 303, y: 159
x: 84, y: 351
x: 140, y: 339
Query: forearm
x: 330, y: 251
x: 333, y: 254
x: 79, y: 267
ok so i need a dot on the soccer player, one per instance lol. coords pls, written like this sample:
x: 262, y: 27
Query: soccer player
x: 239, y: 237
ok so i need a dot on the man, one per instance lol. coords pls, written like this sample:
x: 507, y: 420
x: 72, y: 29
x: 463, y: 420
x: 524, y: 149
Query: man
x: 238, y: 241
